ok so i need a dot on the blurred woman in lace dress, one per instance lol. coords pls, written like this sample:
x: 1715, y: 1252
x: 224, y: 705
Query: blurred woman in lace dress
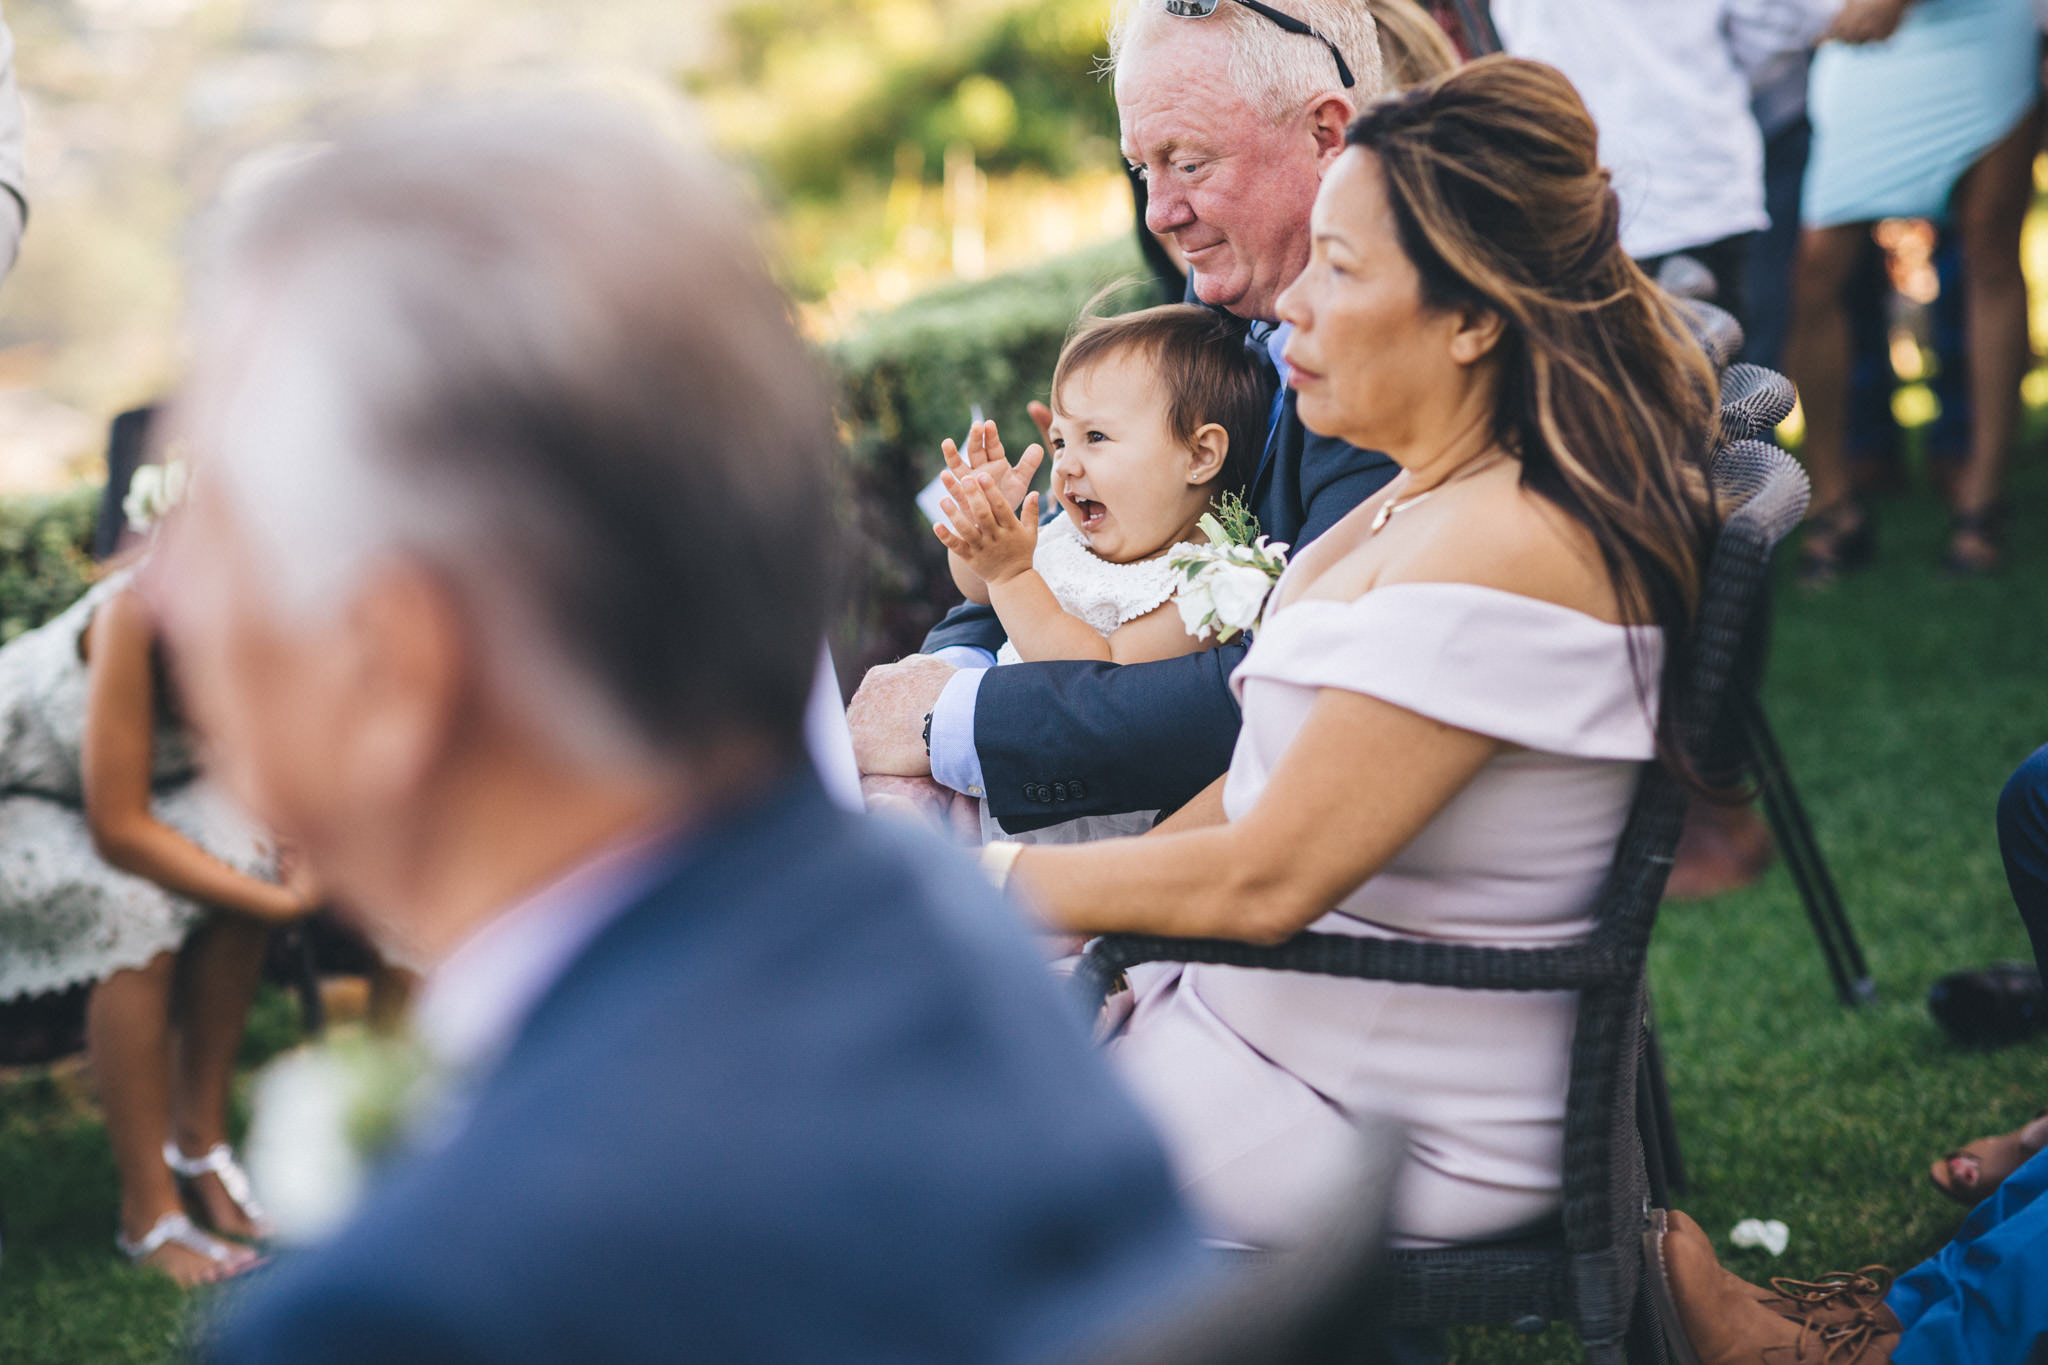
x: 120, y: 866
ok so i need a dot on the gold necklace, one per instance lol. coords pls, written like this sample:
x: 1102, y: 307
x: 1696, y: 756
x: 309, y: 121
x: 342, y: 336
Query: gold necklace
x: 1387, y: 510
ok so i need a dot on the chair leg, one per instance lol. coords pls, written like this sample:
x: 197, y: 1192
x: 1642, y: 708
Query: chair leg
x: 1645, y: 1344
x: 1662, y: 1155
x: 306, y: 981
x: 1809, y: 869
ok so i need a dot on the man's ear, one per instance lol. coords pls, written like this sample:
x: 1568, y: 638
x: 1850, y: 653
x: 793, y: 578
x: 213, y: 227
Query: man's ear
x: 1207, y: 452
x: 1478, y: 333
x: 411, y: 659
x: 1327, y: 118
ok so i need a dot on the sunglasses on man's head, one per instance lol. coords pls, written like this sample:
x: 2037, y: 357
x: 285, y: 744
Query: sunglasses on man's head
x: 1202, y: 9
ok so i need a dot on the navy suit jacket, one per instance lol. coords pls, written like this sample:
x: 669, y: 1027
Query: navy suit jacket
x: 1057, y: 740
x: 812, y: 1098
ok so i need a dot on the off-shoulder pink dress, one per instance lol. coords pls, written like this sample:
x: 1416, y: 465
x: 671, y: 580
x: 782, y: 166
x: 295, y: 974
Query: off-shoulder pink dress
x: 1253, y: 1076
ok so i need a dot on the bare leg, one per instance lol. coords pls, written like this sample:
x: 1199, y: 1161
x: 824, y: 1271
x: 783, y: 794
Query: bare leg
x: 217, y: 975
x: 1817, y: 355
x: 127, y: 1038
x: 1990, y: 205
x: 391, y: 991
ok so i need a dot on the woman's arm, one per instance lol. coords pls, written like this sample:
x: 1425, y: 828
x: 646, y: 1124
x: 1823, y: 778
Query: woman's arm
x: 1361, y: 778
x: 120, y: 732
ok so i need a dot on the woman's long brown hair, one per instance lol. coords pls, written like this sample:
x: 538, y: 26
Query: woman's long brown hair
x: 1494, y: 176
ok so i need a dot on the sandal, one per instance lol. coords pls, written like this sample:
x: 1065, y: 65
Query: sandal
x: 1986, y: 527
x: 230, y: 1259
x: 219, y: 1160
x: 1996, y: 1158
x: 1840, y: 537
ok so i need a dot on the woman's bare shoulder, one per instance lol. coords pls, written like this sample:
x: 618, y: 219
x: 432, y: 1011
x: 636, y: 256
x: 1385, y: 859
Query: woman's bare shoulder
x: 1502, y: 535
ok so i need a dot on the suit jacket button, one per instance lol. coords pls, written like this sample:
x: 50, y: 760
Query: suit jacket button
x: 1030, y: 791
x: 1059, y: 791
x: 1077, y: 789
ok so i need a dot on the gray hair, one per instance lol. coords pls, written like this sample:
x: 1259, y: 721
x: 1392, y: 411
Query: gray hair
x: 1277, y: 72
x: 533, y: 346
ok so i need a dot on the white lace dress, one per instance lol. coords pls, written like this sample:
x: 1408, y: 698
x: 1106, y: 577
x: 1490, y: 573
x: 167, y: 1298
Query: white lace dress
x: 65, y: 915
x: 1105, y: 595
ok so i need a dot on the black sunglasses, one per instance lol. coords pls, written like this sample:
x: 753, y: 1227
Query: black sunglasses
x: 1202, y: 9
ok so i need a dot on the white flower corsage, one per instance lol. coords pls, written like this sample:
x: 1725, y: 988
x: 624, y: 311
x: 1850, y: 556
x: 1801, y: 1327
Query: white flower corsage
x: 324, y: 1115
x: 153, y: 490
x: 1225, y: 584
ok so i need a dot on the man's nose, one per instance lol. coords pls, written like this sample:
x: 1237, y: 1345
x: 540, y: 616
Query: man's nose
x: 1166, y: 209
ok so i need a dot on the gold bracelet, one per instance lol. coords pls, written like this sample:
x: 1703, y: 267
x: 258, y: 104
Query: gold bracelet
x: 999, y: 859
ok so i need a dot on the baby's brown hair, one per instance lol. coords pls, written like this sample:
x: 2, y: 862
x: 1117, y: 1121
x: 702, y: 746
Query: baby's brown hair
x: 1211, y: 373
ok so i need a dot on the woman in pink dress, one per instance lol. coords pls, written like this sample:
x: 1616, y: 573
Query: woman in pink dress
x: 1450, y: 703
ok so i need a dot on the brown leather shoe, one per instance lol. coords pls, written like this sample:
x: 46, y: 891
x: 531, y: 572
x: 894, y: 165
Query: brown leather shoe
x: 1714, y: 1317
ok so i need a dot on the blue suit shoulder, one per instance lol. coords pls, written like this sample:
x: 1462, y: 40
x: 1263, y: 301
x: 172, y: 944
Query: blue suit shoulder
x: 811, y: 1099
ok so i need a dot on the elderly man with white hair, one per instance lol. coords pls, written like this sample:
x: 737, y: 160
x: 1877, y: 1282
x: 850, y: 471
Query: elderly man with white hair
x: 499, y: 592
x: 1233, y: 110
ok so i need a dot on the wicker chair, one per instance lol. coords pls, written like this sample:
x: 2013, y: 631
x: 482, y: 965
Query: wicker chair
x: 1588, y: 1271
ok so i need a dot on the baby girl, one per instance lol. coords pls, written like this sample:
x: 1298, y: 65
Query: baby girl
x: 1155, y: 416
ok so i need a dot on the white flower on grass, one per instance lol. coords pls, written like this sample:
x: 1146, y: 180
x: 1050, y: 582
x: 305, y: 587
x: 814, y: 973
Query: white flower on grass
x: 1770, y: 1234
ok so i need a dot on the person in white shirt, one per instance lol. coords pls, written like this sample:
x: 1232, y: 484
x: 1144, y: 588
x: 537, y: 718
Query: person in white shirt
x: 1669, y: 85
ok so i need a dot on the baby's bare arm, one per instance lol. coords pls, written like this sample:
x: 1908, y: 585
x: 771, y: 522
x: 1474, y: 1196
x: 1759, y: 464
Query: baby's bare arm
x: 1039, y: 627
x: 1158, y: 634
x: 966, y: 579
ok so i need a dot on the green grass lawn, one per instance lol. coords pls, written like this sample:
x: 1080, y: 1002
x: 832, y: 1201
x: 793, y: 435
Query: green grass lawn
x: 1902, y: 698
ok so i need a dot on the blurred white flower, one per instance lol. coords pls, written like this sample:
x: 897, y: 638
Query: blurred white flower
x: 1770, y: 1234
x: 322, y: 1117
x: 304, y: 1168
x: 153, y: 490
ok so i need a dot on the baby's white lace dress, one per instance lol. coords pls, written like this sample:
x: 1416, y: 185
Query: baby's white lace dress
x: 65, y: 915
x: 1106, y: 595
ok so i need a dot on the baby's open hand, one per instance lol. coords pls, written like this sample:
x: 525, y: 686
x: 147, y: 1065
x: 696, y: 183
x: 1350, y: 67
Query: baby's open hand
x: 984, y: 454
x: 994, y: 541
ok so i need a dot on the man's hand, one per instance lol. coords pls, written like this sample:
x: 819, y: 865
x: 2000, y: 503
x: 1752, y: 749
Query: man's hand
x: 920, y: 798
x: 887, y: 715
x: 984, y: 454
x: 993, y: 541
x: 1866, y: 21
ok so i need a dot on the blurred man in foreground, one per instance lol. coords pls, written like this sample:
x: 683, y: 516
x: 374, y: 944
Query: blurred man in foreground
x: 499, y: 592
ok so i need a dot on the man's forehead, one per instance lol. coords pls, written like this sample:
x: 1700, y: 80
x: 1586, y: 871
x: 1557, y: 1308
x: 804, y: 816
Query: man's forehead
x: 1173, y: 87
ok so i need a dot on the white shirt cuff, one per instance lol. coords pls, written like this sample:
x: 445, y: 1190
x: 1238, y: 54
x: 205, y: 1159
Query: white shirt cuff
x: 955, y: 764
x: 966, y: 656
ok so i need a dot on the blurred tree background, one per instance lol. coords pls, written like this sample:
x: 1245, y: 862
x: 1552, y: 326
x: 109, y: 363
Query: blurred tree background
x: 904, y: 142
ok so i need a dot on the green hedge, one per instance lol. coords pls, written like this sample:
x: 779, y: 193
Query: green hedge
x: 45, y: 558
x: 907, y: 380
x: 910, y: 378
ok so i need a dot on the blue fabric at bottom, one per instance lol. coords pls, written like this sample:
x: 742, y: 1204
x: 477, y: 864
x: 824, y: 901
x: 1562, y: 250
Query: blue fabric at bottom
x: 1983, y: 1298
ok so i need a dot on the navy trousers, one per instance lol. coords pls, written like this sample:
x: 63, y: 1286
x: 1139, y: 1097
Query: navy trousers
x: 2023, y: 842
x: 1983, y: 1298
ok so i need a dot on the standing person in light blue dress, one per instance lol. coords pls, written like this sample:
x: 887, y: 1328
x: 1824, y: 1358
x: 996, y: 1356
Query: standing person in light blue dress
x: 1922, y: 109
